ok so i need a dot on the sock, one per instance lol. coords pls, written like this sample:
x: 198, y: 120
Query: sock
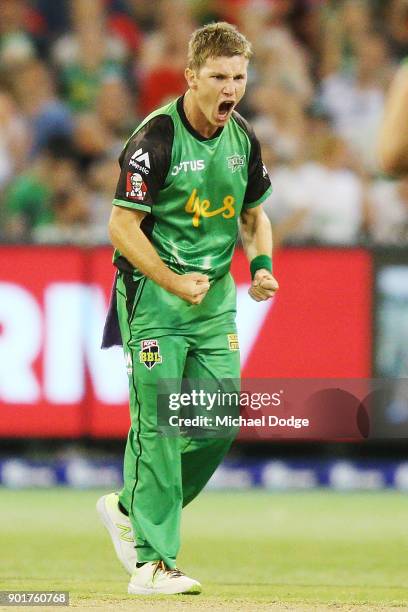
x: 122, y: 509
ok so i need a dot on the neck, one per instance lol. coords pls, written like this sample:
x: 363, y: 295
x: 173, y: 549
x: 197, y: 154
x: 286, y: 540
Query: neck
x: 196, y: 118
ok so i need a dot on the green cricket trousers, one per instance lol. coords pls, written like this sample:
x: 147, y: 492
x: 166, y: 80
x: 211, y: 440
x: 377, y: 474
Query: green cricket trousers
x: 164, y: 337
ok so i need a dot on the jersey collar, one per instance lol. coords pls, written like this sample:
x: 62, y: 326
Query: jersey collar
x: 189, y: 127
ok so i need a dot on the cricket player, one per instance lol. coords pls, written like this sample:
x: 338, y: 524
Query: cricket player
x: 393, y: 149
x: 201, y: 166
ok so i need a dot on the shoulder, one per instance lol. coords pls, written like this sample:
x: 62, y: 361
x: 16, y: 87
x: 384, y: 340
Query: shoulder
x: 159, y: 119
x: 157, y: 126
x: 248, y: 130
x: 152, y: 140
x: 244, y: 125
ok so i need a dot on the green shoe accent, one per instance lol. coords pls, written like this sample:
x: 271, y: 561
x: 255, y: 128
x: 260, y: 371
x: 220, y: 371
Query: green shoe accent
x: 124, y: 533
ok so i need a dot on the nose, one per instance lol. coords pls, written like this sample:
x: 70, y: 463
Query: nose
x: 229, y: 88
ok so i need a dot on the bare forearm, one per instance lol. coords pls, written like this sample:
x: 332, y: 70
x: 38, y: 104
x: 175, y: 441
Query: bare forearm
x: 256, y: 234
x: 393, y: 143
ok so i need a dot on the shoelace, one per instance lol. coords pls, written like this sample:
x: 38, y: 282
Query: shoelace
x: 173, y: 573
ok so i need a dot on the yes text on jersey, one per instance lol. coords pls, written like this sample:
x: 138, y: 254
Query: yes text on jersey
x: 201, y: 208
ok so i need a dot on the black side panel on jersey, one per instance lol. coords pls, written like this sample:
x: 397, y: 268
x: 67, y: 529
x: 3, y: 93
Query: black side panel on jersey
x: 147, y: 155
x: 258, y: 179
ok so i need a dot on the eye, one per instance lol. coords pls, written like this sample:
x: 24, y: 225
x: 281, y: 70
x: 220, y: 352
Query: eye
x: 219, y: 77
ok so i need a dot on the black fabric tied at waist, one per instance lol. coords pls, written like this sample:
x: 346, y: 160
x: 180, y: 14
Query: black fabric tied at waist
x: 111, y: 332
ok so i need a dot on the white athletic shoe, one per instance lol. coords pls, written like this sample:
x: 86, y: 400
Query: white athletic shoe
x: 120, y: 530
x: 154, y: 578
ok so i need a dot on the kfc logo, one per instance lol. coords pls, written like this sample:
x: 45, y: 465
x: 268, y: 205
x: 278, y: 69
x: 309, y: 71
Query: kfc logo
x: 135, y: 186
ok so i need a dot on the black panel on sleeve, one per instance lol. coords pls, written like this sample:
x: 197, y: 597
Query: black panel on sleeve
x: 144, y: 163
x: 258, y: 179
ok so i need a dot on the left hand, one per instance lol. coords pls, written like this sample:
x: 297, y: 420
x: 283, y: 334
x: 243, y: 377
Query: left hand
x: 264, y: 286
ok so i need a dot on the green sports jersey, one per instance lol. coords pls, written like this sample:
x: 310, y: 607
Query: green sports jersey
x: 192, y: 188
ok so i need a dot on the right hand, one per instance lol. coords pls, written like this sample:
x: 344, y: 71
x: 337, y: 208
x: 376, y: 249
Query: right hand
x: 191, y: 287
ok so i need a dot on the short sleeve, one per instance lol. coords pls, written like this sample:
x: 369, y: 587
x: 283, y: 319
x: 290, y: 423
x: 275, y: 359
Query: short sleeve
x: 259, y: 185
x: 144, y: 163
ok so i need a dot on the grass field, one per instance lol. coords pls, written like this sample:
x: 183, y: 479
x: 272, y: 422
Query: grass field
x: 317, y: 550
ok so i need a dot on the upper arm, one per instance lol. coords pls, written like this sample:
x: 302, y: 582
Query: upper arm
x: 121, y: 217
x: 259, y: 184
x: 145, y: 162
x: 122, y: 221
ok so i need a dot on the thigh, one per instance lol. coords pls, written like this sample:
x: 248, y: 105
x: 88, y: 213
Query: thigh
x: 151, y: 354
x: 214, y: 356
x: 213, y: 371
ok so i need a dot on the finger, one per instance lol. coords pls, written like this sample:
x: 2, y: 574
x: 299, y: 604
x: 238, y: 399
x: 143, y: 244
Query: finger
x: 267, y: 296
x: 194, y: 299
x: 263, y: 294
x: 256, y: 288
x: 203, y: 285
x: 267, y: 291
x: 202, y: 289
x: 269, y: 283
x: 258, y: 298
x: 201, y: 278
x: 254, y: 296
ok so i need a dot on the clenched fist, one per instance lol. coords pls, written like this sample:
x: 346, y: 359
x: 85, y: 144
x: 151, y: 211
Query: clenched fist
x: 264, y: 286
x: 191, y: 287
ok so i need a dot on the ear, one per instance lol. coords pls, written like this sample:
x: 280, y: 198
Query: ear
x: 191, y: 78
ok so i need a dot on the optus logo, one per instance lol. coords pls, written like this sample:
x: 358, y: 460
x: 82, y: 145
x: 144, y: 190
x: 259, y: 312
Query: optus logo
x: 195, y: 165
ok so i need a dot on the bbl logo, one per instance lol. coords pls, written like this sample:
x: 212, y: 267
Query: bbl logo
x: 149, y: 354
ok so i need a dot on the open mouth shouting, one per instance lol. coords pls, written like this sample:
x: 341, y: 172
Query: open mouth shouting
x: 224, y: 110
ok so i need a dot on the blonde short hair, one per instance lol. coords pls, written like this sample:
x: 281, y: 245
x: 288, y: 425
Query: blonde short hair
x: 220, y: 39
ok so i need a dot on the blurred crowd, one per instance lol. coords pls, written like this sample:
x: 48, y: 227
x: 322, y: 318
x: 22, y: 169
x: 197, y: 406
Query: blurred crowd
x: 76, y: 77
